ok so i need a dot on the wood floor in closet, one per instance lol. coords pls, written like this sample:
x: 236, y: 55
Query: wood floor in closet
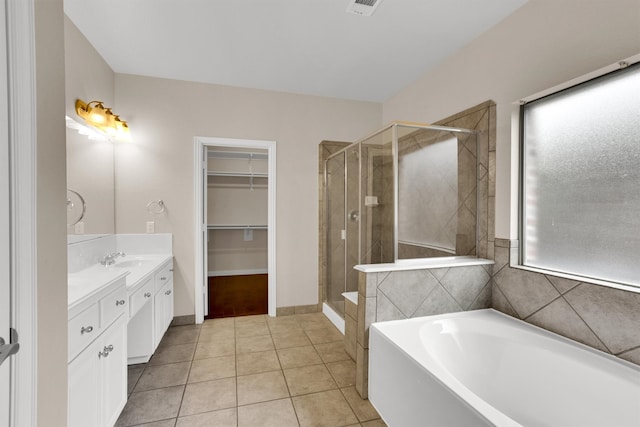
x: 231, y: 296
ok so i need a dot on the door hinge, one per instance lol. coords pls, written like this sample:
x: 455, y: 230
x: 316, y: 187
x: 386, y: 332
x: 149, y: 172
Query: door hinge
x: 7, y: 350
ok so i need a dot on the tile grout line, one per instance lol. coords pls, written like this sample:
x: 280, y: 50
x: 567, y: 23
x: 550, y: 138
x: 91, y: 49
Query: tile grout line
x: 311, y: 344
x: 184, y: 390
x: 283, y: 376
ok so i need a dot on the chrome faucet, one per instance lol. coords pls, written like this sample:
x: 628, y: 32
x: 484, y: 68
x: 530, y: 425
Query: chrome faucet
x: 110, y: 259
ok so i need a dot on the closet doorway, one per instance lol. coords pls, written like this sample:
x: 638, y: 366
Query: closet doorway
x: 235, y: 228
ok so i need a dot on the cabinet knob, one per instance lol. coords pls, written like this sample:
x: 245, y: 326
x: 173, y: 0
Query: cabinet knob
x: 119, y: 302
x: 163, y: 278
x: 171, y: 270
x: 147, y: 295
x: 168, y: 292
x: 105, y: 351
x: 86, y: 329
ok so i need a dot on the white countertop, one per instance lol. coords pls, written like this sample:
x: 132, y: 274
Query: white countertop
x: 423, y: 263
x: 139, y: 272
x: 85, y: 283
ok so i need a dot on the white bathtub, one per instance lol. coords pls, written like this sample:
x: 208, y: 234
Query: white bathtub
x: 485, y: 368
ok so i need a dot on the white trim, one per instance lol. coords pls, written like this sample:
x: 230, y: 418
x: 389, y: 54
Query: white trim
x: 334, y: 317
x: 584, y: 78
x: 21, y: 54
x: 200, y: 143
x: 221, y: 273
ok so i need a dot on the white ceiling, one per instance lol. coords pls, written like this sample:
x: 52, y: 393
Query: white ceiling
x: 302, y: 46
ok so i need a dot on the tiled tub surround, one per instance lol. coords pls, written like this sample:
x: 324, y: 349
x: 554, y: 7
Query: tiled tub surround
x: 350, y: 323
x: 249, y: 371
x: 413, y: 289
x: 605, y: 318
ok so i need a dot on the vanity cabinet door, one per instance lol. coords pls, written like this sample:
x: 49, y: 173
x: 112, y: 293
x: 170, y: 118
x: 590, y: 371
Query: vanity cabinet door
x: 84, y: 376
x: 163, y: 301
x: 98, y: 379
x: 114, y: 371
x: 140, y: 297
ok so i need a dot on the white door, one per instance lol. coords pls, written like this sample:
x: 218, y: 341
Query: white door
x: 205, y: 231
x: 5, y: 236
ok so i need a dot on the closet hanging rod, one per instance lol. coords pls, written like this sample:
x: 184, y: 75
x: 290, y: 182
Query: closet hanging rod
x: 240, y: 174
x: 236, y: 227
x: 237, y: 155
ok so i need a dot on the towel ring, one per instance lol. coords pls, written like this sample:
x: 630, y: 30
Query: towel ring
x: 155, y: 207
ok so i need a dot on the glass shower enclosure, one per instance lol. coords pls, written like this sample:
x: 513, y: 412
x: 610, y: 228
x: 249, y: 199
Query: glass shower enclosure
x: 408, y: 191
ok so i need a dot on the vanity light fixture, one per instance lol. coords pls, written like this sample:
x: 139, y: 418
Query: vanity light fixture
x: 95, y: 114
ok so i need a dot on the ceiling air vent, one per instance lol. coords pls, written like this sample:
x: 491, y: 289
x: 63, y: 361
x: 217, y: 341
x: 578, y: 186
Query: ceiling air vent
x: 363, y: 7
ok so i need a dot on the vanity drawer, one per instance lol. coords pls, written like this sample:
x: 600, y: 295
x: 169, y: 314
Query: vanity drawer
x: 113, y: 305
x: 141, y: 297
x: 83, y: 329
x: 164, y: 276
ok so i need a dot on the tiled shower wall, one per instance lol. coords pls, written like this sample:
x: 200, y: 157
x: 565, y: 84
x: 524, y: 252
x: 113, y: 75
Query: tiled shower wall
x: 481, y: 118
x: 601, y: 317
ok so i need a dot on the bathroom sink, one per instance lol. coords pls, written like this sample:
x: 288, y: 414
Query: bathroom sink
x: 132, y: 263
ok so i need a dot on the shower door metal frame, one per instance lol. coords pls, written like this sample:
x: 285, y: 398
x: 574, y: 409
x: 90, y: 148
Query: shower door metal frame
x: 394, y: 153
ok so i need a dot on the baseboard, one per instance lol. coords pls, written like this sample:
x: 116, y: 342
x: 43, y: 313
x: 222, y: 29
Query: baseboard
x: 184, y: 320
x: 297, y: 309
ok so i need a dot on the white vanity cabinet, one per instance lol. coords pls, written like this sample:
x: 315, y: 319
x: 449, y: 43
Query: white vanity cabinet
x: 151, y: 313
x: 97, y: 388
x: 163, y: 302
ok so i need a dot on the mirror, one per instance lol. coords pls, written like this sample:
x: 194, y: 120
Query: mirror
x: 90, y: 173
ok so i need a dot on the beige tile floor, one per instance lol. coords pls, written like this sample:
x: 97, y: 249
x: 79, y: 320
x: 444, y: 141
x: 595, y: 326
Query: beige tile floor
x: 256, y: 371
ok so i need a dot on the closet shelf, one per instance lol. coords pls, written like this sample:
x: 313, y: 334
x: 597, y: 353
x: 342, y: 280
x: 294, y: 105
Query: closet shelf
x: 237, y: 155
x: 235, y: 227
x: 239, y: 174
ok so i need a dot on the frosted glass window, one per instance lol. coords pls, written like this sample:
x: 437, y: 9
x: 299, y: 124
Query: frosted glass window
x: 581, y: 179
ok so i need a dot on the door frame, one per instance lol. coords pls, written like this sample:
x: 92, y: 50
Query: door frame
x: 22, y: 145
x: 200, y: 167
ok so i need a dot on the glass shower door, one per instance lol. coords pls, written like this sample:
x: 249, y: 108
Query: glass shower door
x: 353, y: 220
x: 336, y: 232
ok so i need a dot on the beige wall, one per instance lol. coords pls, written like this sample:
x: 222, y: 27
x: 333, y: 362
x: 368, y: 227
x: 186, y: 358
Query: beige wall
x: 89, y: 163
x: 51, y: 290
x: 542, y: 44
x: 166, y: 115
x: 88, y: 76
